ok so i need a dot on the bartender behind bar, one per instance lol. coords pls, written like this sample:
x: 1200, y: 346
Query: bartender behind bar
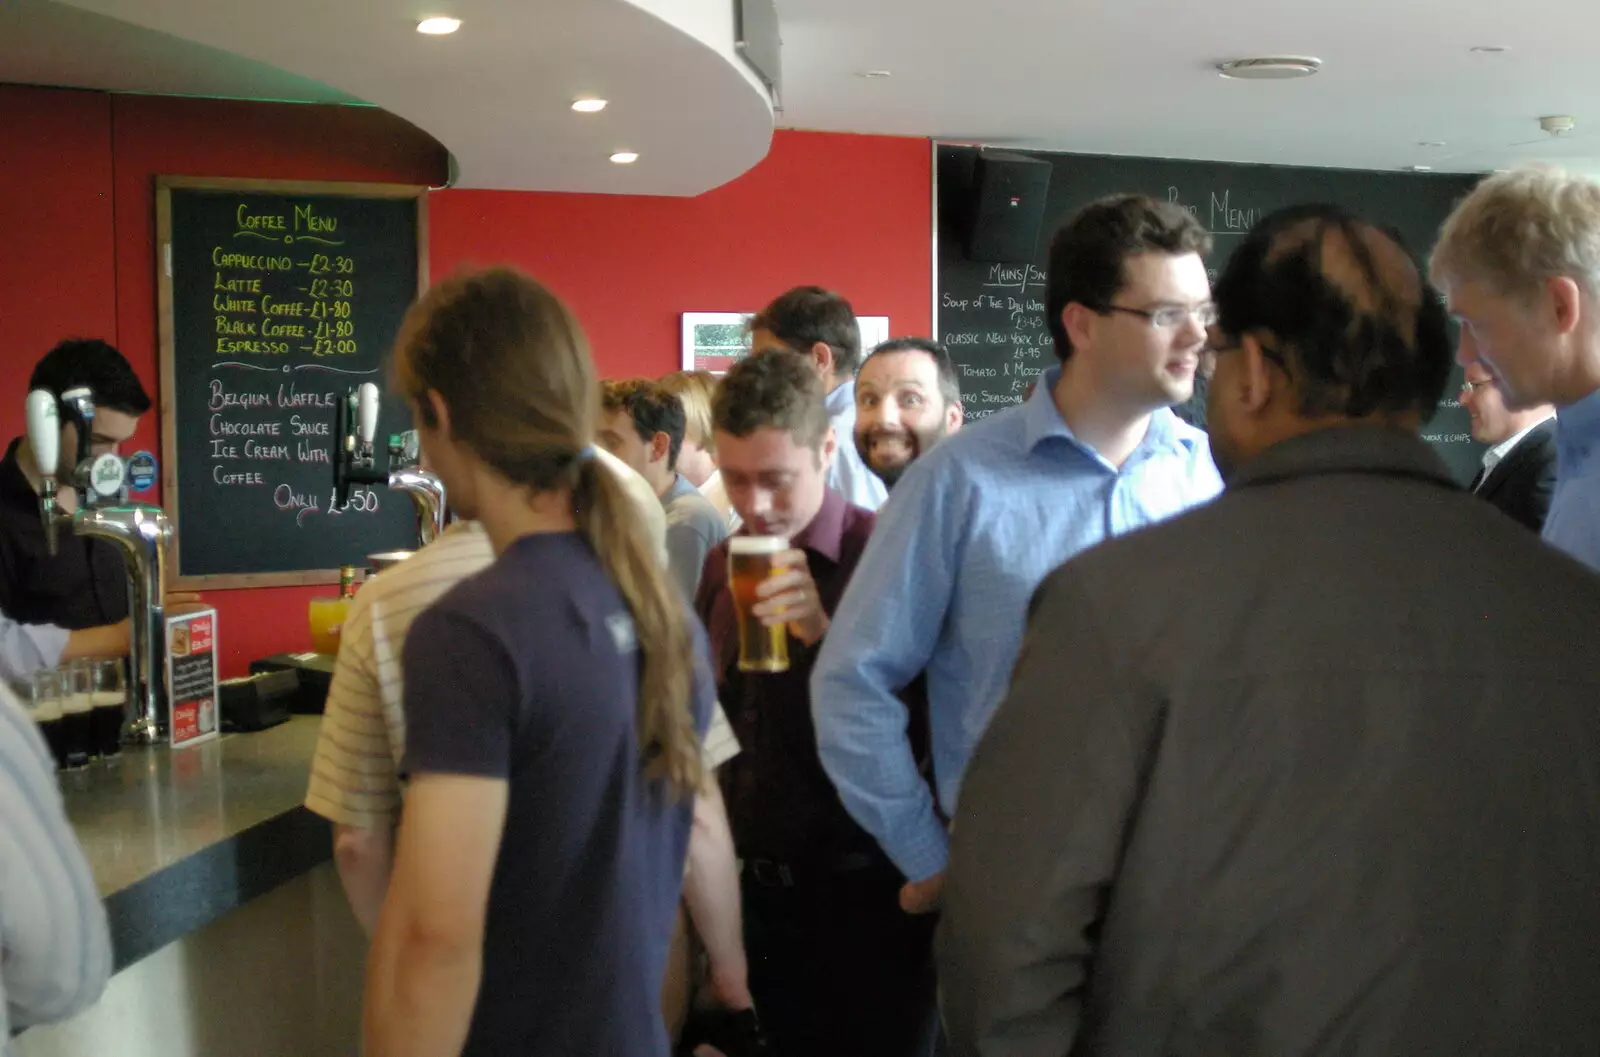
x: 82, y: 585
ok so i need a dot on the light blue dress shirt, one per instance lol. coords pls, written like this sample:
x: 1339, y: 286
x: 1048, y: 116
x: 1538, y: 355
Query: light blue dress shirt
x: 28, y: 648
x: 848, y: 475
x: 944, y: 586
x: 1573, y: 524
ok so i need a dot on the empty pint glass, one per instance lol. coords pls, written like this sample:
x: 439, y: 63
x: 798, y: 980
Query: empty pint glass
x: 751, y: 560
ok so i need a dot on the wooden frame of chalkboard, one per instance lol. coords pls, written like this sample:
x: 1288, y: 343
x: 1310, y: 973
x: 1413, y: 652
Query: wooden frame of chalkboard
x: 213, y: 572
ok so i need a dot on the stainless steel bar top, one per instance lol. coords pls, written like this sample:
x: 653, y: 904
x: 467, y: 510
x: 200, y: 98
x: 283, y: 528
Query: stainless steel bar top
x: 178, y: 838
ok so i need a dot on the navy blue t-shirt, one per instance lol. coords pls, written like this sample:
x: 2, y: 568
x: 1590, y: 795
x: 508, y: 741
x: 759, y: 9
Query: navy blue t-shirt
x: 529, y: 672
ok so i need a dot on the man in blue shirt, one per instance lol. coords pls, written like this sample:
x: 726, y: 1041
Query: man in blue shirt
x: 821, y: 326
x: 979, y: 521
x: 1519, y: 264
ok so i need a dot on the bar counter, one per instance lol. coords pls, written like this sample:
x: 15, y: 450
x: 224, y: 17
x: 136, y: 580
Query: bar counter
x: 229, y: 930
x: 176, y: 839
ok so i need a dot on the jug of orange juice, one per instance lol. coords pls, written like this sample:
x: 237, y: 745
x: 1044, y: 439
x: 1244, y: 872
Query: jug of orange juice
x: 327, y: 615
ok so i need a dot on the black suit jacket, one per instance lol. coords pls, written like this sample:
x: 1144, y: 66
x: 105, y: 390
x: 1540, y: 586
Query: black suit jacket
x: 1521, y: 483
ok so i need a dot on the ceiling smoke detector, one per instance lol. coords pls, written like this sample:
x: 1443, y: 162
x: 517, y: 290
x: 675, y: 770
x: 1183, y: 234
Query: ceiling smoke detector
x: 1270, y: 68
x: 1558, y: 125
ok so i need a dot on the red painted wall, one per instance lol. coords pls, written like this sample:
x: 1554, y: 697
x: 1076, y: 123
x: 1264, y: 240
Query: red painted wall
x: 77, y: 176
x: 57, y: 251
x: 77, y: 197
x: 846, y: 212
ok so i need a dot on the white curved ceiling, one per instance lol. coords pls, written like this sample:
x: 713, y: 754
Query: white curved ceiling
x: 1137, y: 77
x: 497, y: 93
x: 47, y: 43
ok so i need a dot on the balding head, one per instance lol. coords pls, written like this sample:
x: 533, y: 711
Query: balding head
x: 1344, y: 308
x: 1337, y: 326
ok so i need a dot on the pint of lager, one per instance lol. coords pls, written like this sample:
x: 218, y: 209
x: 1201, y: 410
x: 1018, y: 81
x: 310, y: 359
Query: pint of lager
x: 750, y: 561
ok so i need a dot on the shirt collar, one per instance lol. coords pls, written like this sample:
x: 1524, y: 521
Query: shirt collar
x: 825, y: 534
x: 680, y: 488
x: 1042, y: 420
x: 842, y: 399
x: 1493, y: 455
x: 1344, y: 449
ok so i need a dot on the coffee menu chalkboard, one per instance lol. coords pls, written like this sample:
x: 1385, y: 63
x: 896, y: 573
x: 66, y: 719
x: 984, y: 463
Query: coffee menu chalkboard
x: 991, y: 314
x: 276, y: 299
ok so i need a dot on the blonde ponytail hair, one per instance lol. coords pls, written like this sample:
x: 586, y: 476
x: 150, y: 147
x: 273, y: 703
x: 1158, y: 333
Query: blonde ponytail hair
x: 513, y: 366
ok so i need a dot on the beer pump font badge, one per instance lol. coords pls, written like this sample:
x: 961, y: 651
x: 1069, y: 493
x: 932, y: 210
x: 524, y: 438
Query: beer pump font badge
x: 142, y: 471
x: 106, y: 475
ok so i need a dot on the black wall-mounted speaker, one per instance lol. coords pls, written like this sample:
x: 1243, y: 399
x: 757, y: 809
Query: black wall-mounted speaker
x: 1007, y: 208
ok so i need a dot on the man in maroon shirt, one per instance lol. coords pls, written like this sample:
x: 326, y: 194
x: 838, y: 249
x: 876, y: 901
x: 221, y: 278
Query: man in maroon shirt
x: 835, y: 966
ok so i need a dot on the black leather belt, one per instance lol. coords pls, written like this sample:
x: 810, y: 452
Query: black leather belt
x: 770, y: 873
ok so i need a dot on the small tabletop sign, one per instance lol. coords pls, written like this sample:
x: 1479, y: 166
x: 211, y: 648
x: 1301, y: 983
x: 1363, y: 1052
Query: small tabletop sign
x: 192, y: 677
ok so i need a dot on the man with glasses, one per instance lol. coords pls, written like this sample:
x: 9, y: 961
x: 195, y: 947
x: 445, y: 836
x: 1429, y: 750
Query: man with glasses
x: 1519, y: 260
x: 978, y: 521
x: 1519, y: 467
x: 1279, y: 778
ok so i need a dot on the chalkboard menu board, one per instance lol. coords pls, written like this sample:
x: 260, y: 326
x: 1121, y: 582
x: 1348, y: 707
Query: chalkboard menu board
x: 277, y: 299
x: 991, y: 315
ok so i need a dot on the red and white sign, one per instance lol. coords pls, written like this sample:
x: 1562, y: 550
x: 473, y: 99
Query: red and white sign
x: 192, y: 678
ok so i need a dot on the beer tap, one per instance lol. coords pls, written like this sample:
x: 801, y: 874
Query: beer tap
x: 355, y: 461
x: 355, y: 423
x: 425, y: 489
x: 44, y: 438
x: 143, y: 534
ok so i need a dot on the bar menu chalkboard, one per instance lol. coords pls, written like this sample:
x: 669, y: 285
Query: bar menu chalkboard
x: 991, y: 315
x: 276, y: 299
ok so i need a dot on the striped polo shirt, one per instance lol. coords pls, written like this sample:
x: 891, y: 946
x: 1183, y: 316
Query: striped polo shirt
x: 354, y: 775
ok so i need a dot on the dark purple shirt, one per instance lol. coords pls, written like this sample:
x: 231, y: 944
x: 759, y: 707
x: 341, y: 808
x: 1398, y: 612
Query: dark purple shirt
x: 780, y: 802
x: 528, y: 672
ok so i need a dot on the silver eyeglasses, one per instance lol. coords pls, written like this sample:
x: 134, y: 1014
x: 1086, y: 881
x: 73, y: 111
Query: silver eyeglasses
x: 1168, y: 316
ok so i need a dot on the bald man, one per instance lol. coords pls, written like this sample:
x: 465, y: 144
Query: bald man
x: 1310, y: 769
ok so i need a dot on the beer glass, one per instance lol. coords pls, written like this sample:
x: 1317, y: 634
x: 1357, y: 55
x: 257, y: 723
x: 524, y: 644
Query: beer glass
x: 750, y: 561
x: 110, y: 707
x: 45, y: 704
x: 77, y: 706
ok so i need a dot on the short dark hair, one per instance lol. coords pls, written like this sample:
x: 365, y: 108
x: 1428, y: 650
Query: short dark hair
x: 96, y: 364
x: 1355, y: 326
x: 774, y: 388
x: 1089, y: 251
x: 809, y: 314
x: 949, y: 384
x: 652, y: 408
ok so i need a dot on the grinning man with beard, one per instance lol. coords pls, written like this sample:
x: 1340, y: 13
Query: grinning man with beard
x: 907, y: 400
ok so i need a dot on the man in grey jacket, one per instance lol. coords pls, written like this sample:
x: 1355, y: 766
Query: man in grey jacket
x: 1310, y: 769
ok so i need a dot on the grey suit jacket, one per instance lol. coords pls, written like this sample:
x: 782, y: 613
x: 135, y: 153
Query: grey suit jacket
x: 1311, y: 770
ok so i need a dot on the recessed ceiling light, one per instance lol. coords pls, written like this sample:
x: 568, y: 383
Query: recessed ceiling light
x: 1418, y: 168
x: 874, y: 74
x: 438, y: 26
x: 1270, y: 68
x: 1490, y: 49
x: 588, y: 106
x: 625, y: 157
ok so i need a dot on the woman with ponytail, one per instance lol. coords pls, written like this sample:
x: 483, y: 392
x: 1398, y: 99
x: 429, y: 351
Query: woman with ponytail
x: 553, y: 706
